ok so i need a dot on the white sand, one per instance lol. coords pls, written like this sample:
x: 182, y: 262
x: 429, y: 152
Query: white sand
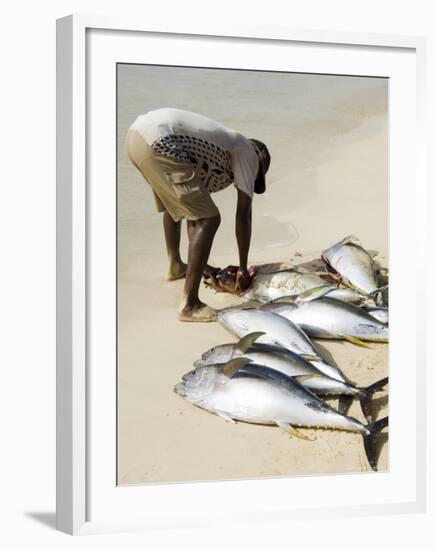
x: 328, y: 179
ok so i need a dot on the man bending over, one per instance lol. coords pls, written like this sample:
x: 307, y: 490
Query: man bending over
x: 185, y: 157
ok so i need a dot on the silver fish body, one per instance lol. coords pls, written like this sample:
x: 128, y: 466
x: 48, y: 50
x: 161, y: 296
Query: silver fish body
x: 270, y: 286
x: 280, y: 359
x: 334, y: 319
x: 262, y: 396
x: 278, y: 331
x: 379, y: 313
x: 346, y: 295
x: 287, y: 362
x: 354, y: 264
x: 267, y: 287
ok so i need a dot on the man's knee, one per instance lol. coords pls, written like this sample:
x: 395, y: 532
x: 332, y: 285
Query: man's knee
x: 208, y: 224
x: 214, y: 222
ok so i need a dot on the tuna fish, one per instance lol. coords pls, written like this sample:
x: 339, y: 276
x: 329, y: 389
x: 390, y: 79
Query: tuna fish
x: 292, y: 365
x: 279, y: 332
x: 267, y: 286
x: 326, y: 317
x: 261, y: 395
x: 349, y: 263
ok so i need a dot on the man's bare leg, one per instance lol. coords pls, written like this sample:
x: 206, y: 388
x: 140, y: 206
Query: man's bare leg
x: 200, y: 236
x: 172, y: 231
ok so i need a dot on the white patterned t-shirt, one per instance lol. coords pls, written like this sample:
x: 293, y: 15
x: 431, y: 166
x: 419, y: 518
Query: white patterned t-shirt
x: 222, y: 154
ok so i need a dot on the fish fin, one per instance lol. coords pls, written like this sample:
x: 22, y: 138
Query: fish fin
x: 311, y: 357
x: 314, y: 293
x: 285, y: 299
x: 349, y: 239
x: 225, y: 417
x: 377, y: 386
x: 292, y: 430
x: 366, y: 398
x: 302, y: 377
x: 344, y: 403
x: 356, y: 341
x: 370, y: 441
x: 234, y: 365
x: 345, y: 240
x: 376, y: 295
x: 247, y: 341
x: 377, y: 291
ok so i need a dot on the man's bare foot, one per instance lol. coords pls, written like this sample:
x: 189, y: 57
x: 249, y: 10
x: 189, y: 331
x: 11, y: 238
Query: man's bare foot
x: 176, y: 270
x: 199, y: 313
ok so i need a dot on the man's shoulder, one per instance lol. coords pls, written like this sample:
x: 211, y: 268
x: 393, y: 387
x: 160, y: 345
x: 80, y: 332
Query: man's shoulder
x: 244, y: 148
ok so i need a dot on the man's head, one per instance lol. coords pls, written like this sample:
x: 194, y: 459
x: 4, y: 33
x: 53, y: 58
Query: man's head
x: 264, y: 163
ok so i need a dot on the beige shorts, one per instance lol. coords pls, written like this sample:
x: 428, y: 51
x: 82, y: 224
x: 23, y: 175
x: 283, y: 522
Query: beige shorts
x: 176, y: 186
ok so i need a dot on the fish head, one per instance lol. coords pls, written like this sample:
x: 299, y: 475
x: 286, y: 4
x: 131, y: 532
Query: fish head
x: 180, y: 389
x: 223, y: 280
x: 227, y: 278
x: 218, y: 354
x: 199, y: 383
x: 236, y: 320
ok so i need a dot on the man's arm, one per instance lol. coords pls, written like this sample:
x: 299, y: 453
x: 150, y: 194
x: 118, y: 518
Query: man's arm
x: 243, y: 231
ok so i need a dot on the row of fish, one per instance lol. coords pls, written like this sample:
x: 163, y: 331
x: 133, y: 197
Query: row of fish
x: 351, y: 275
x: 275, y: 375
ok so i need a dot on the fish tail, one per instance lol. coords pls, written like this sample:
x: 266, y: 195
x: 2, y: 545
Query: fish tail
x: 370, y: 441
x: 367, y: 395
x: 376, y: 295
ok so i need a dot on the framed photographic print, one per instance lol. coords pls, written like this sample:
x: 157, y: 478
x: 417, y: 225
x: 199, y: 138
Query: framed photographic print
x: 232, y: 215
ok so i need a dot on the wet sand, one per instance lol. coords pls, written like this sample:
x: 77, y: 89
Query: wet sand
x: 328, y: 179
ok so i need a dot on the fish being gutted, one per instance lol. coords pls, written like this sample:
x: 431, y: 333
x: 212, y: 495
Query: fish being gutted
x: 266, y: 286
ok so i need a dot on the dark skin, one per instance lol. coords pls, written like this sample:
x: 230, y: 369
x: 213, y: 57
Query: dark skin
x: 200, y: 238
x: 177, y: 269
x: 243, y: 232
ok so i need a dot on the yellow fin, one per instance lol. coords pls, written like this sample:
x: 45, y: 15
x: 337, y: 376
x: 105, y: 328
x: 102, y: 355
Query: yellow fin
x: 311, y: 357
x: 292, y: 431
x: 357, y: 341
x: 314, y: 293
x: 302, y: 377
x: 284, y: 299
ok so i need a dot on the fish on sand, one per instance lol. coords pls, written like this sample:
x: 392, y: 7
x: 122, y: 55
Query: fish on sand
x: 349, y: 263
x: 325, y: 317
x: 261, y: 395
x: 295, y: 366
x: 266, y: 286
x: 277, y: 331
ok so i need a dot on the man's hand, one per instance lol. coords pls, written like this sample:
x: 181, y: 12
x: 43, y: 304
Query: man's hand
x: 243, y: 281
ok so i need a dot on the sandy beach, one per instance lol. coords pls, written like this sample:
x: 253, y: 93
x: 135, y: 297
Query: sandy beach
x: 328, y: 179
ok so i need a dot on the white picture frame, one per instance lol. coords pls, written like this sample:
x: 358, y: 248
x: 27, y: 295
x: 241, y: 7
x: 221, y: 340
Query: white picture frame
x: 75, y: 348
